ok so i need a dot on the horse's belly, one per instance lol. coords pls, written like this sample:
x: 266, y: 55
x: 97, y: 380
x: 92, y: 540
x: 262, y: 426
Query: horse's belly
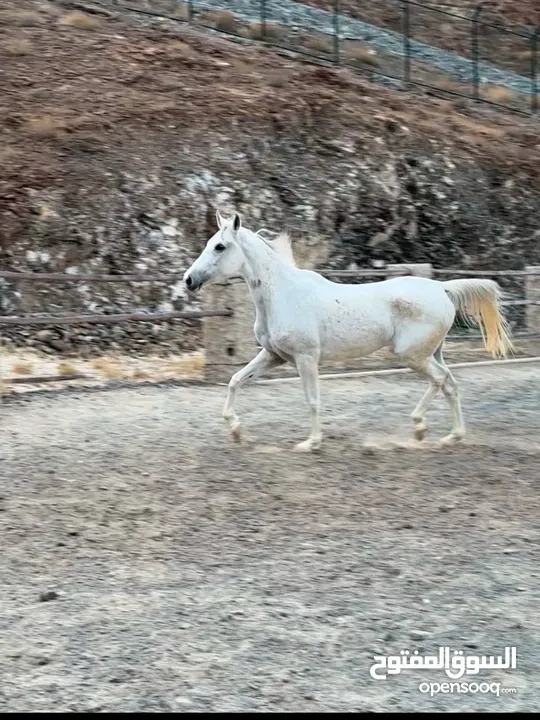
x: 340, y: 340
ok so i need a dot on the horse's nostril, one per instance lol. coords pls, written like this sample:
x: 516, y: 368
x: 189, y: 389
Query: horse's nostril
x: 189, y: 281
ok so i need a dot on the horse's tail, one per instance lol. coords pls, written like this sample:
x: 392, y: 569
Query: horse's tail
x: 479, y: 301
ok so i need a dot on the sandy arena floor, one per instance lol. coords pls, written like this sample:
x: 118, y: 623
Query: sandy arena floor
x: 149, y: 564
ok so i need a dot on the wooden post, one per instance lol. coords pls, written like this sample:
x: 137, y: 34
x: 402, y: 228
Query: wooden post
x: 532, y: 294
x: 229, y: 342
x: 418, y: 269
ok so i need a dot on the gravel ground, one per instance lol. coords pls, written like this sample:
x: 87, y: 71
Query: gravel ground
x: 295, y: 14
x: 148, y: 564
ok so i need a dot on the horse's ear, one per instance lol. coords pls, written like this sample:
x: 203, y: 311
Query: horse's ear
x: 219, y: 220
x: 237, y: 222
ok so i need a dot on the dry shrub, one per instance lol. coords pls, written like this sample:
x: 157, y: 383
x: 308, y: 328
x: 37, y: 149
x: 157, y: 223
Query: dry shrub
x: 278, y: 79
x: 220, y: 19
x: 181, y: 47
x: 317, y: 43
x: 21, y: 368
x: 139, y: 374
x: 189, y: 365
x: 478, y: 129
x: 270, y: 31
x: 8, y: 153
x: 446, y: 28
x: 17, y: 46
x: 242, y: 65
x: 80, y: 20
x: 6, y: 389
x: 46, y: 126
x: 499, y: 94
x: 359, y: 54
x: 24, y: 18
x: 107, y: 367
x: 66, y: 368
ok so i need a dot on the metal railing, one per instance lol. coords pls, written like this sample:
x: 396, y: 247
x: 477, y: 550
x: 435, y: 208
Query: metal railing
x: 407, y: 69
x: 134, y: 316
x: 68, y: 320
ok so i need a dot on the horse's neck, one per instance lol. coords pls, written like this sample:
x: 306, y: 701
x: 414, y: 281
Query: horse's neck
x: 263, y: 270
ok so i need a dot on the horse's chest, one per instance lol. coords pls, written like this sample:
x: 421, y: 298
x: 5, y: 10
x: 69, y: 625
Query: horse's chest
x: 269, y: 340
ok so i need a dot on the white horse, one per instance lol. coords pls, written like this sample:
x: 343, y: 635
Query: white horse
x: 303, y: 318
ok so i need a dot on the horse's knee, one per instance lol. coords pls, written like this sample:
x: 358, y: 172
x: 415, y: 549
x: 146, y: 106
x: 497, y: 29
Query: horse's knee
x: 235, y: 380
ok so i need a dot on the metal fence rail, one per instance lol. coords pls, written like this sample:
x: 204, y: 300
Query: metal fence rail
x: 69, y: 320
x: 526, y: 38
x: 218, y: 335
x: 113, y: 318
x: 327, y: 272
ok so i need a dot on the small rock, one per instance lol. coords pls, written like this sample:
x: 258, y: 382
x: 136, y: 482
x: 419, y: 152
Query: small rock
x: 510, y: 551
x: 44, y: 335
x: 47, y: 595
x: 418, y: 635
x: 183, y: 701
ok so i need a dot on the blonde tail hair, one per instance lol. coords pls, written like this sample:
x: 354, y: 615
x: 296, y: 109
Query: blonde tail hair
x: 479, y: 301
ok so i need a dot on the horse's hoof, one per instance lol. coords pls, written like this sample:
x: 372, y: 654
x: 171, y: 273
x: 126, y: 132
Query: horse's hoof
x: 307, y: 446
x: 235, y: 432
x: 452, y: 439
x: 420, y: 432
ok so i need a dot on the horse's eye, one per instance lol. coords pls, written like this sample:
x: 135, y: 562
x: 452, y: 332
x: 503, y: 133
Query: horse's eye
x: 219, y: 247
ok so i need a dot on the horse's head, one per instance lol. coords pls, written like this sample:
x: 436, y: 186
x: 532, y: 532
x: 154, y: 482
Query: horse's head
x: 220, y: 259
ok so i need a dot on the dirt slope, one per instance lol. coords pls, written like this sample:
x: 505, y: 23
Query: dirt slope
x: 65, y: 89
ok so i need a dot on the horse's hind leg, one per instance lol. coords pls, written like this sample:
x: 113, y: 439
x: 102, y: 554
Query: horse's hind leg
x: 260, y: 364
x: 451, y: 393
x: 441, y: 379
x: 420, y: 347
x: 418, y: 415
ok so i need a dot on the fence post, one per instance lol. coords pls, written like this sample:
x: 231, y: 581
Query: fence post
x: 263, y: 19
x: 534, y: 71
x: 229, y: 342
x: 475, y: 52
x: 532, y: 294
x: 337, y: 58
x: 424, y: 270
x: 406, y: 44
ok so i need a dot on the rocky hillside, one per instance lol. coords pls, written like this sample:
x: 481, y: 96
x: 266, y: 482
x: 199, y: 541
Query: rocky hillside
x: 119, y: 140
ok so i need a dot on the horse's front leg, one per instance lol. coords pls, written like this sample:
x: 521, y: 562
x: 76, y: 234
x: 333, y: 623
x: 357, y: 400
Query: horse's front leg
x: 308, y: 369
x: 260, y: 364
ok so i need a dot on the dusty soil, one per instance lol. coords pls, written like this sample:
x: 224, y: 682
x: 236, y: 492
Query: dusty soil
x: 73, y: 91
x: 502, y: 23
x: 149, y: 564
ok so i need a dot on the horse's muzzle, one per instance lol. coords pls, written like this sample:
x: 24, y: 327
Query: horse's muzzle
x: 193, y: 284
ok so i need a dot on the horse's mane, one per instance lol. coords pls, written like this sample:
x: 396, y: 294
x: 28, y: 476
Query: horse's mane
x: 281, y: 244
